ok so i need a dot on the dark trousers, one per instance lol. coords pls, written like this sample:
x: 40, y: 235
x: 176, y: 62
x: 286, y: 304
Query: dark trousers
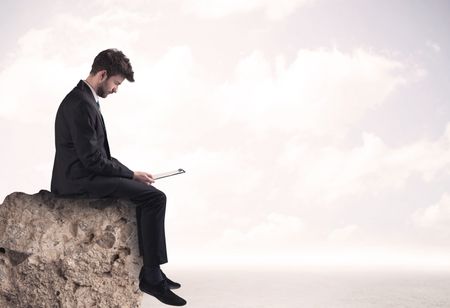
x: 150, y: 214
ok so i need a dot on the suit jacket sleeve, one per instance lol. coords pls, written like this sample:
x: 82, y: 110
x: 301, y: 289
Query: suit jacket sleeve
x: 82, y: 128
x: 115, y: 160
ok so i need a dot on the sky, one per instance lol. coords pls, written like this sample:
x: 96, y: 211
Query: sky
x: 312, y: 132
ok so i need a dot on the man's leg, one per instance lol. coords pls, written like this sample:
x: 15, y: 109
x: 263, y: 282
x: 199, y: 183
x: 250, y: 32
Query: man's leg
x: 150, y: 215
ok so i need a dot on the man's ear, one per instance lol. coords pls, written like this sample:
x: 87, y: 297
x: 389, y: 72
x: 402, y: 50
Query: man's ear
x: 103, y: 75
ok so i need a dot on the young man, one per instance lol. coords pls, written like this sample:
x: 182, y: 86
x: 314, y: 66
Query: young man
x: 83, y: 166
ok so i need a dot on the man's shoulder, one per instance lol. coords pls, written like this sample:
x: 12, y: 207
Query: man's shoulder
x: 78, y: 98
x: 80, y: 92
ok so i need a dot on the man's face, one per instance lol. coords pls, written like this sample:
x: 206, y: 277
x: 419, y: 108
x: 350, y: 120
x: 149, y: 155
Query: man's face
x: 109, y: 85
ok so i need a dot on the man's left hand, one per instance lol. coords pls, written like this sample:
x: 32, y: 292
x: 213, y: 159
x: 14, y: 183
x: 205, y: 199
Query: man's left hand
x: 143, y: 177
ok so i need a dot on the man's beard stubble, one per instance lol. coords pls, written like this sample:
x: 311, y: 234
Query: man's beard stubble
x: 101, y: 91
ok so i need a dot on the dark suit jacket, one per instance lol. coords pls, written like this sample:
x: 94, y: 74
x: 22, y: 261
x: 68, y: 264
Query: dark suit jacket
x: 83, y: 164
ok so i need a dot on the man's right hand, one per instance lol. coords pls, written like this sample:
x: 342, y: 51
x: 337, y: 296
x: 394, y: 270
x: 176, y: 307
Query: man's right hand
x: 143, y: 177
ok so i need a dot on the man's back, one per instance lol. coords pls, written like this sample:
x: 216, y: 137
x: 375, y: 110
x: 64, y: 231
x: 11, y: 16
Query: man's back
x: 82, y: 150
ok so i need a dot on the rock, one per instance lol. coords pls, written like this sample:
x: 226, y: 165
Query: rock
x: 65, y: 252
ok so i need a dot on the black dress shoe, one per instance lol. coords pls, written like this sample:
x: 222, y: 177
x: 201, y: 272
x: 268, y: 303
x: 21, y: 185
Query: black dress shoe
x: 170, y: 283
x: 162, y: 292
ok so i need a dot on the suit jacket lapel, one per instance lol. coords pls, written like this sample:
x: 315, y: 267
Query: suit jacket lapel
x: 84, y: 87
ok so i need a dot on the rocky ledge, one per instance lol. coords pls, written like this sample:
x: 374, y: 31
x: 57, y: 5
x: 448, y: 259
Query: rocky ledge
x: 65, y: 252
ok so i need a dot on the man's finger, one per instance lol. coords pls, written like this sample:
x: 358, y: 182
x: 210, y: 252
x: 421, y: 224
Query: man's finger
x: 149, y: 179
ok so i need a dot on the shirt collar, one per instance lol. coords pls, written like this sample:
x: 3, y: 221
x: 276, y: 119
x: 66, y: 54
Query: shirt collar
x: 93, y: 92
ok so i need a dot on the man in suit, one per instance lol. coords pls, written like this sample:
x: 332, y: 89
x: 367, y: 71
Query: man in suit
x: 84, y: 166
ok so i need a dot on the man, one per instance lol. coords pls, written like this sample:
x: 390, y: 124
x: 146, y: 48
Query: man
x: 83, y: 166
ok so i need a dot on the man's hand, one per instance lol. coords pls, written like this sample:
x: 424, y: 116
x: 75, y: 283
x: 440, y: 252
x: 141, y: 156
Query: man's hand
x: 143, y: 177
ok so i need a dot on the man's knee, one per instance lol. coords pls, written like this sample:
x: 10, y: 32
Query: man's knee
x: 156, y: 196
x: 162, y: 197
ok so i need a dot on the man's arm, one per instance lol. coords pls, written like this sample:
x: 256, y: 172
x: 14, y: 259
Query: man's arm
x: 81, y: 122
x: 117, y: 162
x: 139, y: 176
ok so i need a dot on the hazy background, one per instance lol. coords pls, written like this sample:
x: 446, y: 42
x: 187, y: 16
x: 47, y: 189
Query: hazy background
x: 313, y: 132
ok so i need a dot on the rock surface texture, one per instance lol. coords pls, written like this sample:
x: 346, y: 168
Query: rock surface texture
x: 62, y: 252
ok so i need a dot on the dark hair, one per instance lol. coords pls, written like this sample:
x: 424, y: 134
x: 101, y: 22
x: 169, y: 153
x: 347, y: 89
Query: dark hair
x: 114, y: 62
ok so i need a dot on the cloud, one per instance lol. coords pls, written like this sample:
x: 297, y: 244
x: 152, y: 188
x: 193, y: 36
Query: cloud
x: 326, y: 174
x: 434, y: 216
x: 272, y: 231
x: 342, y: 234
x: 434, y: 46
x: 221, y: 8
x: 64, y: 51
x: 322, y: 92
x: 274, y: 128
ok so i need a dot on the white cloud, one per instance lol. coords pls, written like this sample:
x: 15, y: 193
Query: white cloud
x: 320, y: 93
x: 342, y: 234
x: 272, y: 231
x: 434, y: 46
x: 325, y: 174
x: 274, y: 10
x: 434, y: 216
x: 46, y: 60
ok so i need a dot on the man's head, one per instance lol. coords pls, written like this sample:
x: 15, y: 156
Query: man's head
x: 108, y: 71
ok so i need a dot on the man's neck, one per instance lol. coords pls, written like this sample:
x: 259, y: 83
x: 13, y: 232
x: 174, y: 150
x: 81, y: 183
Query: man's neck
x: 93, y: 89
x: 91, y: 82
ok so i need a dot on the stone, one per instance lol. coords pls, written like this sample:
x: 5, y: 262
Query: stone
x: 68, y: 252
